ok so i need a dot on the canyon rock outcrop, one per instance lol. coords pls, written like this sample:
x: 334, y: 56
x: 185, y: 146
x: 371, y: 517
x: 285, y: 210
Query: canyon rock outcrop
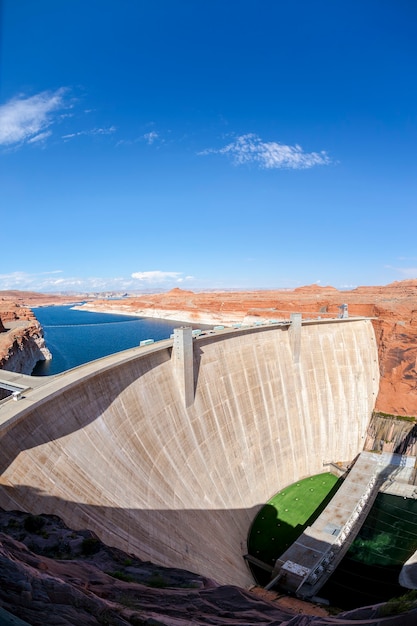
x: 22, y: 342
x: 53, y: 575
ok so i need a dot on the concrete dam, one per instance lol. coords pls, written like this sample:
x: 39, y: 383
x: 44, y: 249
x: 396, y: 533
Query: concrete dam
x: 169, y: 450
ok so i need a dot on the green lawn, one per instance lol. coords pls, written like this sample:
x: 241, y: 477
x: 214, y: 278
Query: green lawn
x: 280, y: 522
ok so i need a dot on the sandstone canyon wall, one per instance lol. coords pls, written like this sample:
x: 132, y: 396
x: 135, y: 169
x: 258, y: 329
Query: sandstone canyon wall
x: 22, y: 342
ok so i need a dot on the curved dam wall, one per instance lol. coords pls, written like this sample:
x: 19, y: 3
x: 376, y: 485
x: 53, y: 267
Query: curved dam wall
x: 112, y: 447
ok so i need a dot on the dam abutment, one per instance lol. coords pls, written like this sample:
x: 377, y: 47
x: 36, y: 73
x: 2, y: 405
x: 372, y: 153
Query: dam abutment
x: 175, y: 472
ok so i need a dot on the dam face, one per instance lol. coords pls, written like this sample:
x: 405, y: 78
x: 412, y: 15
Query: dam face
x: 112, y: 446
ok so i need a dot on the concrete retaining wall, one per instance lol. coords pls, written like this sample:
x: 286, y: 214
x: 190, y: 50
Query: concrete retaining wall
x: 110, y: 446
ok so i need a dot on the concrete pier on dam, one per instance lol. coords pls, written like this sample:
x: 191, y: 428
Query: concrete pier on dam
x: 169, y: 450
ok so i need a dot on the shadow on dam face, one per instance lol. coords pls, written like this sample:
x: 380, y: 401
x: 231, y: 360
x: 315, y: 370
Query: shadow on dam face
x: 187, y: 528
x: 111, y: 446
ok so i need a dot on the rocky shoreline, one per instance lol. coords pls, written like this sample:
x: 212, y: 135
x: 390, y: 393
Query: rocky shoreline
x: 22, y: 342
x: 179, y: 315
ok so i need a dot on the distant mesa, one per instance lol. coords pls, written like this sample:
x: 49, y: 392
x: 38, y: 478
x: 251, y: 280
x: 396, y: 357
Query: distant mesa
x: 176, y: 291
x: 314, y: 288
x: 411, y: 282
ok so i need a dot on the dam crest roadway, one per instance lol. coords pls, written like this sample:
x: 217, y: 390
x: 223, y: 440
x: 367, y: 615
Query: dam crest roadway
x: 169, y: 450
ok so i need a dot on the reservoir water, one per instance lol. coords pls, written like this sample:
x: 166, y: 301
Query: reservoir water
x: 76, y: 337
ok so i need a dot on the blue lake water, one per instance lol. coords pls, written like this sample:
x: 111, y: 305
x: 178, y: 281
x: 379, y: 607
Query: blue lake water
x: 77, y: 337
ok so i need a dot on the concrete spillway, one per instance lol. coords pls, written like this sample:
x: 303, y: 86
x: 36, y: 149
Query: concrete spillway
x: 112, y: 445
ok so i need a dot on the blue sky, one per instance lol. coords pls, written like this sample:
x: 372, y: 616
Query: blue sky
x: 207, y: 144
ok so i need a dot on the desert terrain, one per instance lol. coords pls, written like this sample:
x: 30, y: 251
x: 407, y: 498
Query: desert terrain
x: 393, y: 309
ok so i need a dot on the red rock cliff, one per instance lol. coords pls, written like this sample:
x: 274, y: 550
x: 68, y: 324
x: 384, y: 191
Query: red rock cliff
x: 22, y: 343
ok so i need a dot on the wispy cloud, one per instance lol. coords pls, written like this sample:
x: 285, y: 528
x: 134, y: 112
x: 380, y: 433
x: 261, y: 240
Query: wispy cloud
x: 407, y: 272
x: 26, y: 280
x: 92, y: 131
x: 56, y: 281
x: 41, y: 137
x: 269, y: 154
x: 160, y: 277
x: 151, y: 137
x: 30, y: 120
x: 26, y: 119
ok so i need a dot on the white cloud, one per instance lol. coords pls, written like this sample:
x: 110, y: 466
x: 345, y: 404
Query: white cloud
x: 55, y: 281
x: 40, y: 137
x: 50, y: 282
x: 25, y: 280
x: 157, y: 276
x: 151, y: 137
x: 92, y: 131
x: 269, y: 154
x: 26, y: 119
